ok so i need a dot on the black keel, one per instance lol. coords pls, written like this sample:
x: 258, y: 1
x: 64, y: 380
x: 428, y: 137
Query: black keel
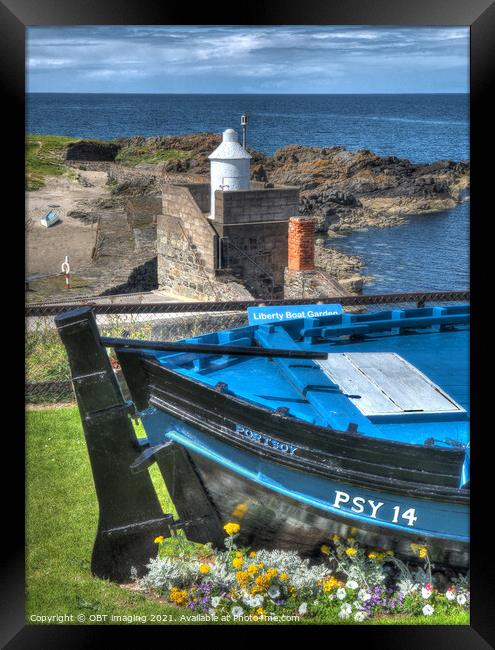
x: 130, y: 514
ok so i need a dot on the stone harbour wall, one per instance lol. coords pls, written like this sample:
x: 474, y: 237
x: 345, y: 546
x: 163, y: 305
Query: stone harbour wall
x: 187, y: 249
x: 256, y: 205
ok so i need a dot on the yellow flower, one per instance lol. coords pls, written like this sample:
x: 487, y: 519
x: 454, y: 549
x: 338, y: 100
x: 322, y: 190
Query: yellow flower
x: 159, y: 539
x: 204, y: 568
x: 271, y: 573
x: 261, y: 565
x: 238, y: 553
x: 284, y: 576
x: 331, y: 583
x: 178, y: 596
x: 237, y: 562
x: 389, y: 553
x: 252, y: 554
x: 231, y: 529
x: 351, y: 540
x: 242, y: 577
x: 350, y: 551
x: 421, y: 551
x: 260, y: 611
x: 372, y: 555
x: 263, y: 580
x: 324, y: 549
x: 239, y: 511
x: 335, y: 538
x: 252, y: 569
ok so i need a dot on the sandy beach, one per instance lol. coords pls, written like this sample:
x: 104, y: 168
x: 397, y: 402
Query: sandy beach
x: 47, y: 247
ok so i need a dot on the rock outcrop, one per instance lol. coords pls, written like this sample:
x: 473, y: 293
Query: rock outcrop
x: 89, y: 150
x: 345, y: 190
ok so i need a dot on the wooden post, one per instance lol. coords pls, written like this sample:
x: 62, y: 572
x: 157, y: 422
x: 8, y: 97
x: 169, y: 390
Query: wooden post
x: 130, y: 515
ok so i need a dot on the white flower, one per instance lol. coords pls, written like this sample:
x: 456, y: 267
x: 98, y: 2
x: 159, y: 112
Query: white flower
x: 341, y: 593
x: 345, y: 611
x: 426, y: 593
x: 357, y: 604
x: 428, y: 610
x: 359, y: 616
x: 450, y: 594
x: 351, y: 584
x: 252, y: 601
x: 303, y: 608
x: 363, y: 595
x: 237, y: 611
x: 461, y: 599
x: 274, y: 592
x: 215, y: 601
x: 212, y: 612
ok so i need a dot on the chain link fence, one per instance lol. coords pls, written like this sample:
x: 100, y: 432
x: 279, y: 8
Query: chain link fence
x: 47, y: 368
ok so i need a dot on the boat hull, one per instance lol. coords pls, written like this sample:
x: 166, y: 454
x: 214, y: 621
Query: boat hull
x: 285, y: 508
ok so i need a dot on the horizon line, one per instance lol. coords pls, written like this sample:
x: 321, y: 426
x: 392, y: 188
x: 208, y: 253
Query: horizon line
x: 74, y: 92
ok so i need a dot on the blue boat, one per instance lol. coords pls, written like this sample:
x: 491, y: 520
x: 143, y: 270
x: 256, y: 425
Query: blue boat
x: 358, y: 426
x: 49, y: 219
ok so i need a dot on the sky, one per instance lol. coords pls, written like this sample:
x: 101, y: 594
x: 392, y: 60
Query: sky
x: 222, y: 59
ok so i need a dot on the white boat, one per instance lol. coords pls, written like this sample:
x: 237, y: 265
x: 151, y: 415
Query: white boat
x: 49, y: 219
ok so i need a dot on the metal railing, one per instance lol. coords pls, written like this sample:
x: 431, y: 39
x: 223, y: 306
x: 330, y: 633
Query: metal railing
x: 47, y: 370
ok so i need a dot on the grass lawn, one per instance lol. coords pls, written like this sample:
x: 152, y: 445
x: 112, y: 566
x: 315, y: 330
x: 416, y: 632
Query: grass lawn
x: 61, y: 519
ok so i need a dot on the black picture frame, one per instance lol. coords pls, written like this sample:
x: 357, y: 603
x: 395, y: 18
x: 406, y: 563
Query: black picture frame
x: 15, y: 16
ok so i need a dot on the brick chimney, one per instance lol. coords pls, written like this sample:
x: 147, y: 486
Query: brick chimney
x: 301, y: 244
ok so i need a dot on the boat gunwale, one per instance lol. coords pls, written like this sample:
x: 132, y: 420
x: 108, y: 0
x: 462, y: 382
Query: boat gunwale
x: 428, y: 490
x: 356, y: 436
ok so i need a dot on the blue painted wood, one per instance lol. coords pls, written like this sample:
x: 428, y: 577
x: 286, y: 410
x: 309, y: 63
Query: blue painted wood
x: 440, y: 353
x: 434, y: 518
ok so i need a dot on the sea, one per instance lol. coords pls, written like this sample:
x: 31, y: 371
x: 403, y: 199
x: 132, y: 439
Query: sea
x: 427, y: 253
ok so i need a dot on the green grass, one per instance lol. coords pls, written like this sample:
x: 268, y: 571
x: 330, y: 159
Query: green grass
x: 134, y: 155
x: 45, y: 156
x: 61, y: 519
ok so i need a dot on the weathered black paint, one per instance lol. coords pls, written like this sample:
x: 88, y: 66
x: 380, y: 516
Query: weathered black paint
x: 130, y: 515
x: 128, y: 504
x: 415, y: 470
x: 211, y: 348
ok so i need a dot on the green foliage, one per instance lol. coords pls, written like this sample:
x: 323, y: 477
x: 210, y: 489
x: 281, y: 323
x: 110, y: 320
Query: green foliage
x: 134, y: 155
x: 45, y: 156
x: 61, y: 521
x: 46, y: 359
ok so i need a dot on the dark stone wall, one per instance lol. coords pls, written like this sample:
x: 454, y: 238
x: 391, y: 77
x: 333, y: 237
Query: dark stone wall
x: 256, y: 253
x: 253, y: 225
x: 88, y: 150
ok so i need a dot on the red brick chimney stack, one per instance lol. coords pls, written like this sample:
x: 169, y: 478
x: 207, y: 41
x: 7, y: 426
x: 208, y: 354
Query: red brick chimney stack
x: 301, y: 244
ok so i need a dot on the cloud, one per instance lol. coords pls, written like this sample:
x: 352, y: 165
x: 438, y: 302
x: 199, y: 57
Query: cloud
x: 141, y: 58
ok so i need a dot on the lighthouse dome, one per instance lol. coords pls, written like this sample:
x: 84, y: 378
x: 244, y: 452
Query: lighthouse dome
x: 229, y: 148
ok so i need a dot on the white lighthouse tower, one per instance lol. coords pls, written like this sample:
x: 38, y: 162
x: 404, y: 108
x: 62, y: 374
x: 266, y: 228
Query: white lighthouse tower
x: 229, y: 169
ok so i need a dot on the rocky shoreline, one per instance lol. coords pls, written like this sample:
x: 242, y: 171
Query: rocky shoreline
x: 341, y: 190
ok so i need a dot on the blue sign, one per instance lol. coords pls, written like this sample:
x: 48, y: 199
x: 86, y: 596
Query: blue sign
x: 265, y: 315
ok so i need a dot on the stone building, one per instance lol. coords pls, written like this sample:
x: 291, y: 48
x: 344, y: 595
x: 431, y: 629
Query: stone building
x: 228, y: 238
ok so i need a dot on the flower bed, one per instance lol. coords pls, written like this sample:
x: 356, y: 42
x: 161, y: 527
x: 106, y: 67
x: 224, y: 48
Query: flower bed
x: 347, y: 582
